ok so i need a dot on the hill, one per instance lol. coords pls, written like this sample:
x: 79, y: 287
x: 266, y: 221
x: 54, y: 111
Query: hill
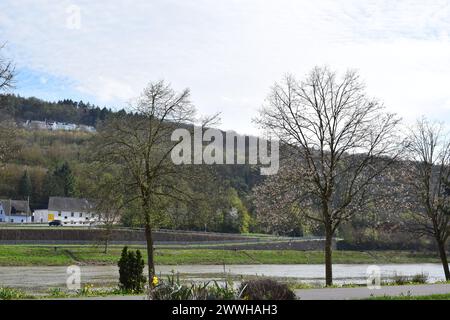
x: 52, y: 162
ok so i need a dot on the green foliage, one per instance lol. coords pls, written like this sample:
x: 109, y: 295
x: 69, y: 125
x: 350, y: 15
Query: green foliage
x: 419, y: 278
x: 25, y: 187
x: 131, y: 268
x: 60, y: 182
x: 87, y: 290
x: 57, y: 293
x: 235, y: 217
x: 266, y: 289
x: 174, y: 289
x: 12, y: 294
x: 445, y: 296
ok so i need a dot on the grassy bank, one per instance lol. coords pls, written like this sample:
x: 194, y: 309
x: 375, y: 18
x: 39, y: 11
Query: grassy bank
x: 28, y: 255
x: 429, y: 297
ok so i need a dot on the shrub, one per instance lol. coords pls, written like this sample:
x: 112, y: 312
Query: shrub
x: 131, y: 271
x: 266, y: 289
x: 57, y: 293
x: 400, y: 279
x: 87, y: 290
x: 420, y: 278
x: 417, y: 278
x: 173, y: 289
x: 12, y: 294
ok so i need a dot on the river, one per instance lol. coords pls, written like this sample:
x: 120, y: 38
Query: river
x: 41, y: 279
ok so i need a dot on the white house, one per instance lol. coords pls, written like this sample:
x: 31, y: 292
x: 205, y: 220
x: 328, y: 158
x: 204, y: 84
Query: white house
x: 15, y: 211
x: 39, y: 125
x: 70, y: 211
x: 63, y: 126
x: 56, y: 126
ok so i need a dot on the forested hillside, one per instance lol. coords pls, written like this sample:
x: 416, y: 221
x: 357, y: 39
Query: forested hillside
x: 69, y: 111
x: 57, y: 163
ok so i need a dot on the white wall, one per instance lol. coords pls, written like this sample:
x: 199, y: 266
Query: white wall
x: 17, y: 219
x: 13, y: 218
x: 67, y: 217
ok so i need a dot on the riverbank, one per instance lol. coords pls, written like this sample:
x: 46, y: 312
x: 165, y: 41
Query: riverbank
x: 29, y: 255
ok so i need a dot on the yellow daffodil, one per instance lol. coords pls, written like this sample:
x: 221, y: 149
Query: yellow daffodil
x: 155, y: 281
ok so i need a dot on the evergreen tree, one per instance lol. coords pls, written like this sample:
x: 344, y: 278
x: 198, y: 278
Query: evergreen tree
x: 25, y: 187
x: 65, y: 177
x: 60, y: 182
x: 131, y: 271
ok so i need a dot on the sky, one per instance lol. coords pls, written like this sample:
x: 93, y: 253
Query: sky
x: 229, y: 52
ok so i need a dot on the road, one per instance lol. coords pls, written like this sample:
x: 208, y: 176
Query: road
x: 363, y: 293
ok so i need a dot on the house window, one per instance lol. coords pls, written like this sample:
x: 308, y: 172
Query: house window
x: 81, y: 214
x: 1, y: 220
x: 12, y: 220
x: 72, y: 214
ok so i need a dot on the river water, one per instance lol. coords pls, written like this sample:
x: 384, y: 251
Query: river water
x: 43, y: 278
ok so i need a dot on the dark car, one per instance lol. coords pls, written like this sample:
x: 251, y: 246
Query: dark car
x: 56, y: 223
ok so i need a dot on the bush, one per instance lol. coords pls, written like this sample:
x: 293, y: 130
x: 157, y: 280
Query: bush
x: 57, y: 293
x: 417, y: 278
x: 400, y: 279
x: 266, y: 289
x: 420, y: 278
x: 131, y: 271
x: 12, y: 294
x: 173, y: 289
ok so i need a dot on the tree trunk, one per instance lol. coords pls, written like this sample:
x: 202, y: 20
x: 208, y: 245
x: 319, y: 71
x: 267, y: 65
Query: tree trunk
x: 328, y: 256
x: 150, y: 261
x: 443, y: 255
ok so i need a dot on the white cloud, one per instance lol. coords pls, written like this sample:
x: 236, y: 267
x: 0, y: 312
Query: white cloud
x: 230, y: 52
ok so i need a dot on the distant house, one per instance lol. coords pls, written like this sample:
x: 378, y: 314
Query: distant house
x: 63, y: 126
x: 57, y: 126
x: 15, y: 211
x: 36, y: 125
x: 71, y: 211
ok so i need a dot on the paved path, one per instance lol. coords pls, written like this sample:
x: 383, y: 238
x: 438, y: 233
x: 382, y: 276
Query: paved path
x: 362, y: 293
x: 336, y: 293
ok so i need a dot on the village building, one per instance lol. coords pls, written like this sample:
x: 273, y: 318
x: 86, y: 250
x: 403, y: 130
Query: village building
x: 15, y: 211
x: 70, y: 211
x: 57, y: 126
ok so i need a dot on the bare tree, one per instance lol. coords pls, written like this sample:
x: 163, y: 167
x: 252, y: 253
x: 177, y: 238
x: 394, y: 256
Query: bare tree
x: 7, y: 71
x: 109, y: 199
x: 337, y: 136
x: 8, y: 143
x: 140, y: 144
x: 429, y: 153
x: 8, y: 147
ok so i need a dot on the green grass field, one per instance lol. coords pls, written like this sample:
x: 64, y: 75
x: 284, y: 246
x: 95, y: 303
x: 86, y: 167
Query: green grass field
x: 29, y: 255
x: 429, y: 297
